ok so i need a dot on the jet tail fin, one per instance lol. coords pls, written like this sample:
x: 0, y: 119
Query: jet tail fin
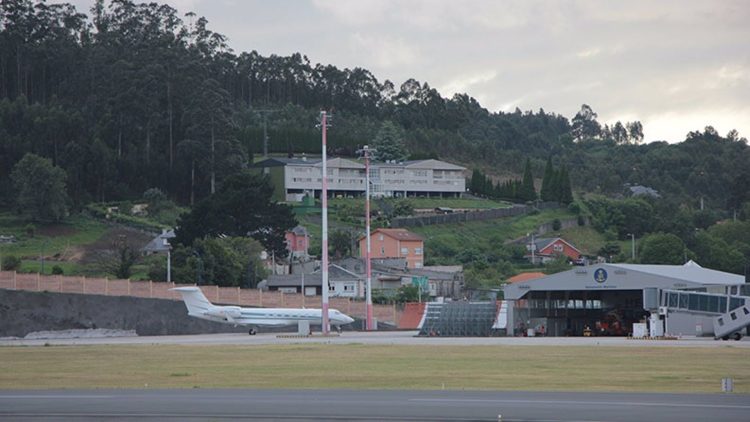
x: 194, y: 299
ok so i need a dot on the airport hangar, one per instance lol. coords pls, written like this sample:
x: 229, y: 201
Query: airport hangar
x: 607, y: 299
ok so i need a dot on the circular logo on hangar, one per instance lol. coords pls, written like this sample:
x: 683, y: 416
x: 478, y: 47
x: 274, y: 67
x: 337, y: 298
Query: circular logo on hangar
x: 600, y: 275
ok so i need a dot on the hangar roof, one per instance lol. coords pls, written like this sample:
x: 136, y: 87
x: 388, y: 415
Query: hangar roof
x: 603, y: 277
x: 690, y: 271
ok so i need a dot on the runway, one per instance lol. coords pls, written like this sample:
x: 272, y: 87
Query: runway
x: 381, y: 338
x: 319, y: 405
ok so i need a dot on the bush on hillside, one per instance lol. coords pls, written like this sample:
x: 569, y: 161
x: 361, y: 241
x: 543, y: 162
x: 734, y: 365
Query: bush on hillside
x: 11, y: 263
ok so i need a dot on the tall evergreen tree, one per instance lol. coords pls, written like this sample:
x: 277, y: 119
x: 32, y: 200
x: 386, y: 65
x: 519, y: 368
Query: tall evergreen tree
x: 565, y: 191
x: 527, y: 191
x: 477, y: 182
x: 549, y: 174
x: 389, y: 143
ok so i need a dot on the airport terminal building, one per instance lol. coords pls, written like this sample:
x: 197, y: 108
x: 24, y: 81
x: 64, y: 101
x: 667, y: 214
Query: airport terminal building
x: 607, y: 299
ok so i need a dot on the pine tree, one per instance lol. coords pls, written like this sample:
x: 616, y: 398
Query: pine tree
x: 389, y: 143
x: 549, y: 174
x: 477, y: 180
x: 554, y: 186
x: 527, y: 191
x: 566, y: 193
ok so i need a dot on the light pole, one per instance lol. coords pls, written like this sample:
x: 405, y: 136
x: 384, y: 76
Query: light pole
x: 169, y: 259
x: 169, y: 264
x: 324, y: 237
x: 632, y: 247
x: 41, y: 256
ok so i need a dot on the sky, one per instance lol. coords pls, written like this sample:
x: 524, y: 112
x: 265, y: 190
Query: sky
x: 674, y: 65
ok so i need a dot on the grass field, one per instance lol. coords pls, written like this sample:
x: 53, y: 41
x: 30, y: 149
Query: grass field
x: 356, y: 366
x: 52, y: 239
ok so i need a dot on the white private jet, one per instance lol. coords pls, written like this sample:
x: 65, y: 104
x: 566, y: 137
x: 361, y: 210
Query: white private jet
x: 198, y: 306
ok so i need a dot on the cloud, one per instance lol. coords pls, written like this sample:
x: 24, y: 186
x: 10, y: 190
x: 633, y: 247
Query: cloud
x: 588, y: 53
x: 465, y: 82
x: 733, y: 74
x: 673, y: 126
x: 383, y: 51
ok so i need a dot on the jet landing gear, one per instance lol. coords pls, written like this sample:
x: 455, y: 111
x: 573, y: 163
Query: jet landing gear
x: 735, y: 336
x: 252, y: 332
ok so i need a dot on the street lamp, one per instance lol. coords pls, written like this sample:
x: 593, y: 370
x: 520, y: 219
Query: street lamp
x: 632, y: 248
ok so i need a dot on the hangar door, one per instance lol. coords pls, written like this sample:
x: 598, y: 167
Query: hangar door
x: 580, y: 312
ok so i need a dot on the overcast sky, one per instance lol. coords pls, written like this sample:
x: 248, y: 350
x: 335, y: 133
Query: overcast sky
x: 675, y: 65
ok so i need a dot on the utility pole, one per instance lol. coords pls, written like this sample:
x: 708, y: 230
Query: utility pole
x: 632, y: 247
x: 533, y: 247
x: 324, y: 210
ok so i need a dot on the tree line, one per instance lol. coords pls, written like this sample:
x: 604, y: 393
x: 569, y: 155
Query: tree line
x: 136, y: 96
x: 555, y: 186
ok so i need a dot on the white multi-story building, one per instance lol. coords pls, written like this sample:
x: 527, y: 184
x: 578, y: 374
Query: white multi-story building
x: 295, y: 178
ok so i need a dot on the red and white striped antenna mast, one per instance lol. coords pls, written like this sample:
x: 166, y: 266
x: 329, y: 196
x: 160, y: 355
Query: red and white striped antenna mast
x: 369, y: 326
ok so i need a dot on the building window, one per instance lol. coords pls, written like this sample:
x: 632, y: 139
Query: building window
x: 417, y: 265
x: 417, y: 251
x: 404, y: 251
x: 380, y: 237
x: 382, y: 250
x: 558, y: 247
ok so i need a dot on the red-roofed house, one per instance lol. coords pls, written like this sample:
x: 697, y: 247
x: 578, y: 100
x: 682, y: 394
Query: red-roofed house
x: 547, y: 249
x: 297, y: 242
x: 395, y: 243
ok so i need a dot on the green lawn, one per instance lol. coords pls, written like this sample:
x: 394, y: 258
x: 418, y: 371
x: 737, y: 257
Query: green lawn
x: 50, y: 238
x: 357, y: 366
x: 484, y: 236
x: 35, y: 266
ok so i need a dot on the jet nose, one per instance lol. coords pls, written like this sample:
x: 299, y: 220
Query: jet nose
x: 348, y: 319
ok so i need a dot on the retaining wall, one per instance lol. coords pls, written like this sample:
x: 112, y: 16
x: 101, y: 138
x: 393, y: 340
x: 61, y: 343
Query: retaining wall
x: 462, y: 217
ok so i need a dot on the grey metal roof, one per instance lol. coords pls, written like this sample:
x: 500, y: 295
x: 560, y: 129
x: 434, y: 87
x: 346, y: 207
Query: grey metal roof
x: 299, y: 230
x: 335, y: 273
x: 626, y: 277
x: 432, y: 164
x: 644, y: 190
x: 160, y: 243
x: 690, y: 271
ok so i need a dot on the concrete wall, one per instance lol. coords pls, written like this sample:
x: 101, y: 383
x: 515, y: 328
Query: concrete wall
x: 22, y: 312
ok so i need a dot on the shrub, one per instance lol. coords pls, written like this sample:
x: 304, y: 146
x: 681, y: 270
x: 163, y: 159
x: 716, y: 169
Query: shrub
x: 11, y: 263
x: 556, y: 224
x: 57, y: 270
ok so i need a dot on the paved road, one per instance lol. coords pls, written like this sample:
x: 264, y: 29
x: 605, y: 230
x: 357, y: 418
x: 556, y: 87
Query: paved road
x: 317, y: 405
x: 383, y: 337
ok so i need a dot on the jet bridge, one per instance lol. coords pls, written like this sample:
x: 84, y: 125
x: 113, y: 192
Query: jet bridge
x: 730, y: 312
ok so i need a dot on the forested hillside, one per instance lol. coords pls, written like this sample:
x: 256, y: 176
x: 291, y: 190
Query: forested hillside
x: 127, y: 97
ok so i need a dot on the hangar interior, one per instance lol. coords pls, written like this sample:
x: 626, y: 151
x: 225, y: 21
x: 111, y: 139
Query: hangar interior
x: 578, y: 313
x: 608, y: 299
